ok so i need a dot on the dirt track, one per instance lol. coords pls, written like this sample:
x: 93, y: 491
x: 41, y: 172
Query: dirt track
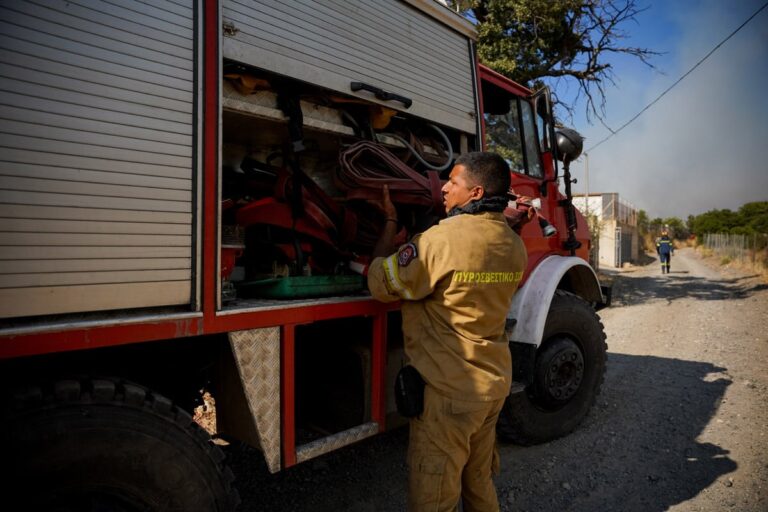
x: 681, y: 424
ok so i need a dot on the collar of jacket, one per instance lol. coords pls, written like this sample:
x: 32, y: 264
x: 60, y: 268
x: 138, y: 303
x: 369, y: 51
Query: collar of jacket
x: 486, y: 204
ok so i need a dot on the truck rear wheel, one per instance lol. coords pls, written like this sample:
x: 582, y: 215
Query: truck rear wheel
x: 111, y: 445
x: 568, y: 373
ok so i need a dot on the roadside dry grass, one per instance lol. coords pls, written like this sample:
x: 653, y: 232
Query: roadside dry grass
x: 757, y: 265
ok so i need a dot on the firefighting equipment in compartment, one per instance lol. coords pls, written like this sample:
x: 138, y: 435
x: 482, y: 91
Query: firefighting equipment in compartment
x: 379, y: 116
x: 246, y: 83
x: 297, y: 205
x: 322, y: 225
x: 446, y: 148
x: 295, y: 287
x: 365, y: 167
x: 232, y: 247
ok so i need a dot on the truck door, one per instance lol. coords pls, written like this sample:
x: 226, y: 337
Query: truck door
x: 511, y: 130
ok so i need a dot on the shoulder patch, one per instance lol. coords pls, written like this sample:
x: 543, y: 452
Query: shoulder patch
x: 406, y: 254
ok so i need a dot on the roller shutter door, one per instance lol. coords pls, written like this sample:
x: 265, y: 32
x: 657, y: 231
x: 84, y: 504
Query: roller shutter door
x: 387, y: 44
x: 96, y: 155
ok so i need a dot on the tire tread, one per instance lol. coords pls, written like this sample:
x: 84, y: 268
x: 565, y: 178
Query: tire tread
x: 126, y: 394
x: 511, y: 426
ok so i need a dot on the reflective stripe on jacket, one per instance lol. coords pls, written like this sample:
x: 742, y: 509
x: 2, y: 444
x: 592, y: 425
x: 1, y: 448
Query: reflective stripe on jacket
x: 664, y: 245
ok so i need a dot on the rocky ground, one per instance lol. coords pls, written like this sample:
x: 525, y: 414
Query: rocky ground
x: 681, y: 423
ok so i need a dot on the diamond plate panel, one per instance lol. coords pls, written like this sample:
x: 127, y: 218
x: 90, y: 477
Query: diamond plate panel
x: 330, y: 443
x: 257, y: 354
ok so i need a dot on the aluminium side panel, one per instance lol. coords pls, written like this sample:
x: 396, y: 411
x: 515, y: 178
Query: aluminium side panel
x: 389, y: 44
x: 97, y: 145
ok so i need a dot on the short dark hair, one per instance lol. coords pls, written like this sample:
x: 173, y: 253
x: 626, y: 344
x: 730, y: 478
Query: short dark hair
x: 489, y: 170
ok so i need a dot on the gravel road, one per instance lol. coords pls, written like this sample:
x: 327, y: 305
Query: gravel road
x: 681, y: 423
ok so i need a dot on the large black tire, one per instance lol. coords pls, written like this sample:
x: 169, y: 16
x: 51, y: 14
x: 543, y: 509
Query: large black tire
x: 568, y: 373
x: 104, y: 444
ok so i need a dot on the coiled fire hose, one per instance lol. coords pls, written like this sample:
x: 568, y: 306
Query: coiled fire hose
x: 415, y: 153
x: 365, y: 167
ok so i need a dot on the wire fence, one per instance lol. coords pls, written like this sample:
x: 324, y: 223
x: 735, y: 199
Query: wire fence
x: 743, y: 248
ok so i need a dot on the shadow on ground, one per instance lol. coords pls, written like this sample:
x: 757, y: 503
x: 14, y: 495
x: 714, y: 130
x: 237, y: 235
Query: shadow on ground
x: 679, y: 284
x: 637, y: 450
x: 630, y: 289
x: 367, y: 476
x: 645, y: 259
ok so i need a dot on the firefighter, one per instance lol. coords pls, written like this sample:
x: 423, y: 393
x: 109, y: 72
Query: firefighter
x: 665, y: 250
x: 456, y: 281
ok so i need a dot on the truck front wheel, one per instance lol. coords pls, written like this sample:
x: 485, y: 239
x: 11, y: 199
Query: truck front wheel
x: 568, y: 373
x: 111, y: 445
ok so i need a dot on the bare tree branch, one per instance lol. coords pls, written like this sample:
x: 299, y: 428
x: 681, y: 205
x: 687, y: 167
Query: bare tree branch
x: 533, y: 41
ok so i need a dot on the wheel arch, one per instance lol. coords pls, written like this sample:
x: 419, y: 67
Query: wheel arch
x: 534, y: 412
x: 530, y: 305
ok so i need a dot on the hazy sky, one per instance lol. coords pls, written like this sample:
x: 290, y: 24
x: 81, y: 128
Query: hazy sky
x: 704, y: 145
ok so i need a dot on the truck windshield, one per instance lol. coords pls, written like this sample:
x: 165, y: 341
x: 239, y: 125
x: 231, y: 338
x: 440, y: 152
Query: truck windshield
x: 513, y: 135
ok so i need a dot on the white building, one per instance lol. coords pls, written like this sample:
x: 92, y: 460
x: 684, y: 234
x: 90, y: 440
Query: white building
x: 614, y: 221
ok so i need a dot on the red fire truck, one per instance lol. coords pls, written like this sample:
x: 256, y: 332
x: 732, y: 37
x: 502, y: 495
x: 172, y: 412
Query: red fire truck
x: 184, y: 185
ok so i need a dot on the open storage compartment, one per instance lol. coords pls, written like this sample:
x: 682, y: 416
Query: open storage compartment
x: 302, y: 173
x: 322, y: 105
x: 333, y: 377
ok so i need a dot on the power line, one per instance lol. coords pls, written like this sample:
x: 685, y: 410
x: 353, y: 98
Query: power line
x: 680, y: 79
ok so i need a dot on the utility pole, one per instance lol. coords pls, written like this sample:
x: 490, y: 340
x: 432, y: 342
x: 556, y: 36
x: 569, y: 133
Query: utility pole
x: 586, y: 186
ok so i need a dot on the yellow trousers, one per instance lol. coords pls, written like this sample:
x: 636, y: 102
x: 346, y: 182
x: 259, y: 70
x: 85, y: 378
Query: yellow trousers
x: 452, y: 454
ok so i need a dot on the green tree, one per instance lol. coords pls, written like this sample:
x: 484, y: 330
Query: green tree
x: 689, y: 224
x: 754, y: 217
x: 544, y: 41
x: 655, y: 226
x: 643, y: 223
x: 750, y: 219
x: 676, y: 228
x: 715, y: 221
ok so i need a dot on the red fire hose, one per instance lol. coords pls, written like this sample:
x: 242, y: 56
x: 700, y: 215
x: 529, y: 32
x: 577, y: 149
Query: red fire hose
x: 366, y: 167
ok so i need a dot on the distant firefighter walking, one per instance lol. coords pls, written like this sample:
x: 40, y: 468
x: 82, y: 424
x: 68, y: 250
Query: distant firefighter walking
x: 665, y: 249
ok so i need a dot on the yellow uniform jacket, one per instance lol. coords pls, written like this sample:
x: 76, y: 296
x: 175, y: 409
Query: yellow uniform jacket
x: 457, y: 280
